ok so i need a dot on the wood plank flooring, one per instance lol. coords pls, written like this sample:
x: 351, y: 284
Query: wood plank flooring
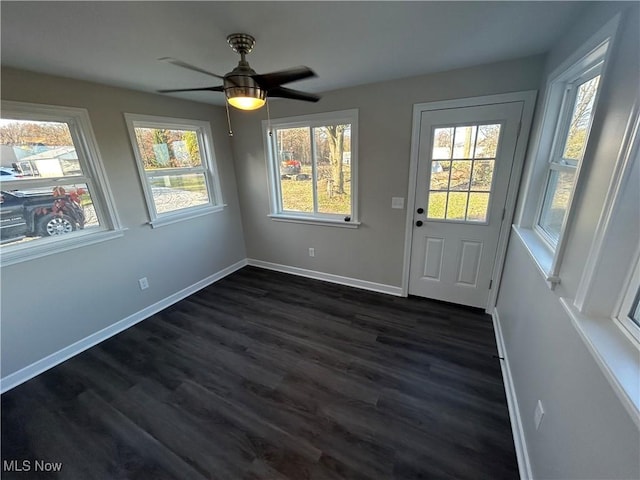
x: 265, y: 375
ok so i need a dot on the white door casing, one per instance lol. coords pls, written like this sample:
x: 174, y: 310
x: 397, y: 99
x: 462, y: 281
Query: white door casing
x: 462, y: 183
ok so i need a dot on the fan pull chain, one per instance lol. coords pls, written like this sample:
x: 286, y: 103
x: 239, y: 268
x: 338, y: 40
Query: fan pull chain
x: 269, y: 118
x: 226, y: 104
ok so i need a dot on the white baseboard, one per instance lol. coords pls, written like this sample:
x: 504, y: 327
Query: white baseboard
x: 524, y: 465
x: 329, y: 277
x: 14, y: 379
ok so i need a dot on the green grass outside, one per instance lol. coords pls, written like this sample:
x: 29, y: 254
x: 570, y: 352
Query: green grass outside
x: 297, y: 195
x: 477, y: 210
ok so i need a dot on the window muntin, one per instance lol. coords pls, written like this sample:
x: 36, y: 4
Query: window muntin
x: 176, y: 165
x: 462, y: 169
x: 56, y: 193
x: 572, y: 134
x: 313, y: 166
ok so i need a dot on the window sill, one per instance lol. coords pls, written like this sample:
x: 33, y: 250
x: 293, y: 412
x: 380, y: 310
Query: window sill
x: 539, y: 251
x: 616, y: 354
x: 52, y: 246
x: 181, y: 216
x: 314, y: 221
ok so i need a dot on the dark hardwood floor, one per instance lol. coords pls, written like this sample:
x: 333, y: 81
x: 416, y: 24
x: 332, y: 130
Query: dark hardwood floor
x: 265, y: 375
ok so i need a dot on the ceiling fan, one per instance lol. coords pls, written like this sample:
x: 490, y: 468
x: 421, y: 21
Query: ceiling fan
x: 244, y: 88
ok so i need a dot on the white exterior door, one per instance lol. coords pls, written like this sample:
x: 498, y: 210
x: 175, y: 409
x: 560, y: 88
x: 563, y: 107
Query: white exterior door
x: 465, y: 159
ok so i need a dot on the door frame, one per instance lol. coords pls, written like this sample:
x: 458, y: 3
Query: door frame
x: 528, y: 98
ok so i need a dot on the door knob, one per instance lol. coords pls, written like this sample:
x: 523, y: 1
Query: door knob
x: 420, y: 210
x: 419, y: 223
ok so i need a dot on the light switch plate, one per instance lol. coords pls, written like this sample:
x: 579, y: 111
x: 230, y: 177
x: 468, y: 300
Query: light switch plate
x: 397, y: 202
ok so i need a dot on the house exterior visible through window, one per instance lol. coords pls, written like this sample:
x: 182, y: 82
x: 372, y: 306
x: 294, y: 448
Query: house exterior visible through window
x: 54, y: 191
x: 313, y: 167
x: 177, y: 166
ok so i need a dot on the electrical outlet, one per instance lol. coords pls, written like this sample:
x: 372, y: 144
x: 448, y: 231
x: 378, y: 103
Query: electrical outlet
x: 312, y: 252
x: 538, y: 414
x: 144, y: 283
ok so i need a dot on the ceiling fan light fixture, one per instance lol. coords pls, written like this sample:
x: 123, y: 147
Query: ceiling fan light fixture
x: 246, y: 98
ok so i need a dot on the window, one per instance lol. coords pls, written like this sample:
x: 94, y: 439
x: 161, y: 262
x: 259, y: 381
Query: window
x: 177, y: 167
x: 571, y: 136
x: 561, y: 150
x: 54, y: 191
x: 313, y: 168
x: 462, y: 165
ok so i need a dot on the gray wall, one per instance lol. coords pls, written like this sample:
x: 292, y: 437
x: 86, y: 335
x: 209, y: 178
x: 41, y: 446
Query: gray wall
x: 373, y: 252
x: 52, y: 302
x: 586, y: 432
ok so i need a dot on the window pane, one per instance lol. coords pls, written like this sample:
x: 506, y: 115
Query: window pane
x: 166, y: 148
x: 457, y: 205
x: 465, y: 138
x: 482, y: 175
x: 175, y: 192
x: 556, y: 201
x: 437, y: 204
x: 460, y: 175
x: 478, y: 207
x: 333, y: 168
x: 487, y: 143
x: 442, y: 143
x: 581, y: 120
x: 440, y: 175
x: 296, y: 168
x: 33, y: 148
x: 44, y: 212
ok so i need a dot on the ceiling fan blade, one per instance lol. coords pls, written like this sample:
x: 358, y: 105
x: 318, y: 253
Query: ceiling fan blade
x: 283, y: 92
x: 275, y: 79
x: 180, y: 63
x: 213, y: 89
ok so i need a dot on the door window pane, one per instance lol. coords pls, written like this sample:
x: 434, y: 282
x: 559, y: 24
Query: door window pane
x: 437, y: 205
x: 482, y: 175
x: 487, y: 142
x: 478, y: 207
x: 464, y: 140
x: 457, y: 205
x: 440, y: 175
x: 442, y: 143
x: 460, y: 175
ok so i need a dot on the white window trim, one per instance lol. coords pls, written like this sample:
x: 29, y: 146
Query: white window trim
x: 313, y: 120
x: 627, y: 301
x: 548, y: 257
x: 614, y: 341
x: 110, y: 226
x: 207, y: 156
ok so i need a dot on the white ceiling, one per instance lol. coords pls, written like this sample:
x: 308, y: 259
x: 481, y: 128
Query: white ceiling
x: 346, y: 43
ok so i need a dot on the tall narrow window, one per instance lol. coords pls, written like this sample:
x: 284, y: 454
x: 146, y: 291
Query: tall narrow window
x: 313, y: 163
x: 177, y: 166
x: 570, y: 141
